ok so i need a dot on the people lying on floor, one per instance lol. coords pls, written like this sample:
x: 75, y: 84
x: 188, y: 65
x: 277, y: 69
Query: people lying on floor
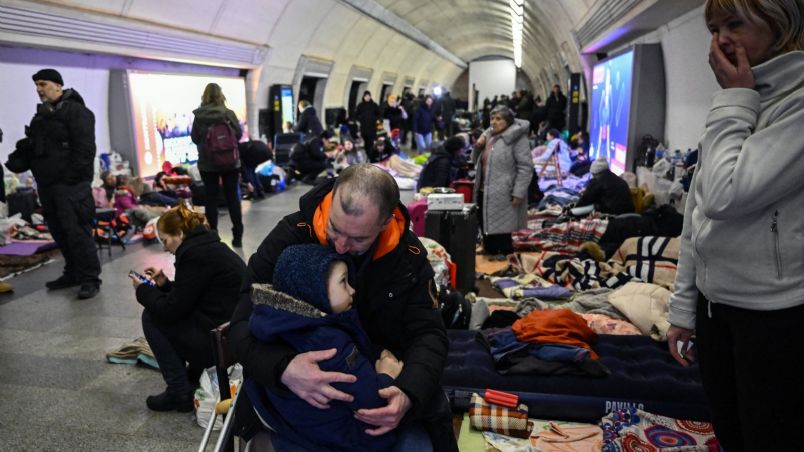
x: 558, y: 147
x: 358, y: 214
x: 179, y: 314
x: 606, y: 192
x: 309, y: 306
x: 442, y: 166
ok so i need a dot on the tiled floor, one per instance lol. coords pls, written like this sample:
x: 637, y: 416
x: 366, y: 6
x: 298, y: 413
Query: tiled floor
x: 60, y: 393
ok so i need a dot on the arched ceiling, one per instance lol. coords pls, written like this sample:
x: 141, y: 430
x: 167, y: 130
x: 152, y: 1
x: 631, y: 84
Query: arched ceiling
x: 334, y: 30
x: 475, y: 28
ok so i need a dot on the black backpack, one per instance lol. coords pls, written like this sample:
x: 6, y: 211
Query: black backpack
x: 221, y: 146
x: 456, y: 311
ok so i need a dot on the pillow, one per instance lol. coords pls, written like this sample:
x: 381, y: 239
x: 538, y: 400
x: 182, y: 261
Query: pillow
x: 645, y: 305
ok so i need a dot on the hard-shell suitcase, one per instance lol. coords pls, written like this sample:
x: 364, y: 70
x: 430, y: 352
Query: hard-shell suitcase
x: 283, y: 144
x: 456, y: 230
x: 417, y: 211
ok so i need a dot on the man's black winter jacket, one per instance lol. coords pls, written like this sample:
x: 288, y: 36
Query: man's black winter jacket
x: 60, y: 143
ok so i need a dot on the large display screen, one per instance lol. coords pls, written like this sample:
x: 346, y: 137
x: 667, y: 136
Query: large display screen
x: 162, y: 110
x: 287, y: 105
x: 611, y: 102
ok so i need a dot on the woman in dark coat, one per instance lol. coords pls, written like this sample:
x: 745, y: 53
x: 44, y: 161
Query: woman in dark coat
x: 212, y: 111
x: 179, y: 314
x: 556, y: 108
x: 367, y: 114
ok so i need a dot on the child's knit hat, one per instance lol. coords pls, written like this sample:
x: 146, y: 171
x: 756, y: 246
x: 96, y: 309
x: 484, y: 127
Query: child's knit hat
x: 599, y: 165
x: 301, y: 272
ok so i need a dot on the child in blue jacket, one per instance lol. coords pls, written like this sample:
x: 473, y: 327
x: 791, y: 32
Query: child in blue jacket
x: 309, y: 307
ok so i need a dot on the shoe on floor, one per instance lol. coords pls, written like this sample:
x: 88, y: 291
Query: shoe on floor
x: 170, y: 402
x: 88, y: 290
x: 62, y: 282
x: 6, y: 287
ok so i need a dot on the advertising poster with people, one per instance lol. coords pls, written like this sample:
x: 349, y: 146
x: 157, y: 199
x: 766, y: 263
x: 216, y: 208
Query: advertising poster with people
x: 611, y: 102
x: 162, y: 110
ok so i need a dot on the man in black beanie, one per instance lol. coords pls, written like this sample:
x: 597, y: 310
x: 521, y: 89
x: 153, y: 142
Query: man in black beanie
x: 59, y: 149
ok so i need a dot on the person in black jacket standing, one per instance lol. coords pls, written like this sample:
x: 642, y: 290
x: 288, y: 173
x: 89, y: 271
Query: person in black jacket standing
x: 59, y: 149
x: 607, y: 192
x: 556, y: 108
x: 367, y: 114
x: 358, y: 213
x: 179, y: 314
x: 308, y: 124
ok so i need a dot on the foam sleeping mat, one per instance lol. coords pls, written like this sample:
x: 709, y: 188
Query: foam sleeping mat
x: 643, y: 374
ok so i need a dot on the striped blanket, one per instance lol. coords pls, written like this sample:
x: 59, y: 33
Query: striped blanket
x: 544, y: 234
x: 647, y: 259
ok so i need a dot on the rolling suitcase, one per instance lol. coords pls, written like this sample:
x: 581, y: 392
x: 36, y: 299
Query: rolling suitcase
x: 283, y: 144
x: 456, y: 230
x: 417, y: 211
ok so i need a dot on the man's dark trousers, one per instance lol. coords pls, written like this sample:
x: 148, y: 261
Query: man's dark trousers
x: 69, y: 212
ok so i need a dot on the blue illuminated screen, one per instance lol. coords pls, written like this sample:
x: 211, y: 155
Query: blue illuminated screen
x: 611, y: 102
x: 287, y: 105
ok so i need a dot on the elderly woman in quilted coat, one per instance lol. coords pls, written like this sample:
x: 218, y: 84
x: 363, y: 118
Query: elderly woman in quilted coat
x: 504, y: 168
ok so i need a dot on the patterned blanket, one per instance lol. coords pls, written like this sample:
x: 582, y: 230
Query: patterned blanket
x: 646, y: 259
x: 636, y: 430
x: 545, y: 234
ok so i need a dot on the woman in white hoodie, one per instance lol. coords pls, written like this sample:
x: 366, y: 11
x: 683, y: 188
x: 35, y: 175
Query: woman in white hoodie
x: 740, y: 280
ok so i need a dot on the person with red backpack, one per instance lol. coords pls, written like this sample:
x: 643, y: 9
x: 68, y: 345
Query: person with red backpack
x: 216, y: 131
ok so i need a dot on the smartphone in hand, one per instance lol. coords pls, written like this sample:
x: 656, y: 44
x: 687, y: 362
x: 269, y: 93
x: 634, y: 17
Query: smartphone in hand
x: 142, y: 278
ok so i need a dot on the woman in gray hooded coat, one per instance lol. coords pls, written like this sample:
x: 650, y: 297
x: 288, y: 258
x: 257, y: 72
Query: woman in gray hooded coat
x: 504, y: 168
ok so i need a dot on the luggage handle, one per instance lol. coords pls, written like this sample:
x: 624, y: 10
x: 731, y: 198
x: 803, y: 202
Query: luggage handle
x: 501, y: 398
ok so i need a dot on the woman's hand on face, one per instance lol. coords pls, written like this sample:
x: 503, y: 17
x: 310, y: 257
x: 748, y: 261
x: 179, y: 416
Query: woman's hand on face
x: 727, y: 74
x: 481, y: 141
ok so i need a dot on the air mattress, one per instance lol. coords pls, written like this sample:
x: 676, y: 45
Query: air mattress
x: 643, y: 374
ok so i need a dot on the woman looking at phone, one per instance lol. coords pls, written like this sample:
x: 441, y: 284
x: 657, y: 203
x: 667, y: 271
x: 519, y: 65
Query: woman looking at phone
x: 179, y: 314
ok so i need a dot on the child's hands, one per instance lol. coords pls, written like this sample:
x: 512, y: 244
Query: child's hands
x: 388, y: 364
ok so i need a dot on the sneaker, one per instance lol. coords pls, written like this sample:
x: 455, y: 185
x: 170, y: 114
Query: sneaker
x: 88, y: 290
x: 62, y: 282
x: 170, y: 402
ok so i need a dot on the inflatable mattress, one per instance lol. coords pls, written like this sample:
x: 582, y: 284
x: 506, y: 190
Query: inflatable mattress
x: 643, y: 375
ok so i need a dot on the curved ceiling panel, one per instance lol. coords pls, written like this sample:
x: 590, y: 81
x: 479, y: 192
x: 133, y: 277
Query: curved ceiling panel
x: 468, y: 28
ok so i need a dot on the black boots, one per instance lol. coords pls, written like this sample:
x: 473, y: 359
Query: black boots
x: 237, y: 236
x: 167, y: 401
x: 62, y: 282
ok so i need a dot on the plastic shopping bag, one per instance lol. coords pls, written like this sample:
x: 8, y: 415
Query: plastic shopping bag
x: 208, y: 394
